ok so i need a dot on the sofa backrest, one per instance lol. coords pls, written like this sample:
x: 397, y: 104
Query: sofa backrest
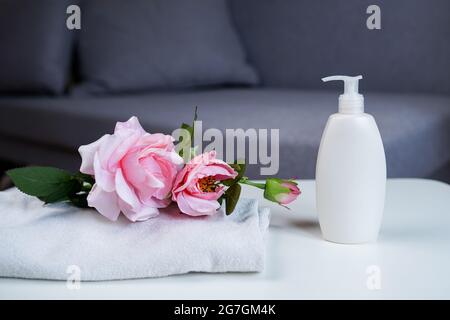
x: 293, y: 43
x: 35, y: 46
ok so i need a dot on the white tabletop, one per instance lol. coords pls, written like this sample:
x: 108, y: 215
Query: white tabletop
x: 410, y: 260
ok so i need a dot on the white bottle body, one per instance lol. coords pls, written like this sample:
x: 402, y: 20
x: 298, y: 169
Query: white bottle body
x: 350, y: 179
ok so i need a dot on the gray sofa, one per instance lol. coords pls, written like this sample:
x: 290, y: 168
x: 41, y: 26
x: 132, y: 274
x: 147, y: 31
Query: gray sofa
x: 291, y: 44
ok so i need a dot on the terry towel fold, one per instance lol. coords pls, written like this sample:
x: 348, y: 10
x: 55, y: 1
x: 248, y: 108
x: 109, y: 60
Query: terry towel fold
x: 43, y: 242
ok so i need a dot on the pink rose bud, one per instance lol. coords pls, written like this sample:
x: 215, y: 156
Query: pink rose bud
x: 281, y: 191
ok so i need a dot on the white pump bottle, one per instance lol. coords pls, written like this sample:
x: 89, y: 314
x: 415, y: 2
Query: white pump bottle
x: 350, y: 171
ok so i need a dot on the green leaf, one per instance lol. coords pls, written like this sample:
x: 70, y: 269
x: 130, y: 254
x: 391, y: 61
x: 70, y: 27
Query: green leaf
x: 61, y: 192
x: 47, y: 183
x: 38, y: 181
x: 232, y: 197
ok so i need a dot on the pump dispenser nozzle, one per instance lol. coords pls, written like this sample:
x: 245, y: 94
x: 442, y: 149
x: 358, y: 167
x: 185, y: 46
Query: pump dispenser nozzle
x: 350, y: 101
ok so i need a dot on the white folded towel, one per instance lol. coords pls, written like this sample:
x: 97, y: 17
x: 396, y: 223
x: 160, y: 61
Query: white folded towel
x: 43, y: 242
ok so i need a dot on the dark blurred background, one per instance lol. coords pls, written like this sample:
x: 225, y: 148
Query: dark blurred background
x: 244, y: 63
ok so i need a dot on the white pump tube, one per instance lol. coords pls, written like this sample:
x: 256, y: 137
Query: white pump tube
x: 350, y: 101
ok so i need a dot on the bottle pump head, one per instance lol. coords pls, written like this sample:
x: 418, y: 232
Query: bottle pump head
x: 350, y: 101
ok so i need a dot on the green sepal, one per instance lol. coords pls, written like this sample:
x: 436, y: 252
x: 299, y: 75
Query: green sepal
x: 274, y: 188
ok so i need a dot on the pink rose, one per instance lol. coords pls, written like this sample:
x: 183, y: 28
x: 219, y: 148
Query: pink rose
x: 196, y: 188
x: 134, y: 171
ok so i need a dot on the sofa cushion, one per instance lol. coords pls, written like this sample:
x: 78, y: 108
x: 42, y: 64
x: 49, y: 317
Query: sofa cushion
x: 294, y: 43
x: 415, y: 128
x: 35, y: 46
x: 158, y: 44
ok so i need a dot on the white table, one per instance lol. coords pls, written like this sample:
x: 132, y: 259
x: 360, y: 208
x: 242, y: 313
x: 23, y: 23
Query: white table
x: 410, y: 260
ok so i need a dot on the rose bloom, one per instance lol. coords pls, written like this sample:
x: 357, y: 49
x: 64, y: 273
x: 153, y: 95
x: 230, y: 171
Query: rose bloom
x: 134, y: 171
x: 196, y: 189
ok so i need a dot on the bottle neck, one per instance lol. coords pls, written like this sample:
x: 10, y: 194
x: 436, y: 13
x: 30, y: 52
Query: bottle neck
x: 351, y: 104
